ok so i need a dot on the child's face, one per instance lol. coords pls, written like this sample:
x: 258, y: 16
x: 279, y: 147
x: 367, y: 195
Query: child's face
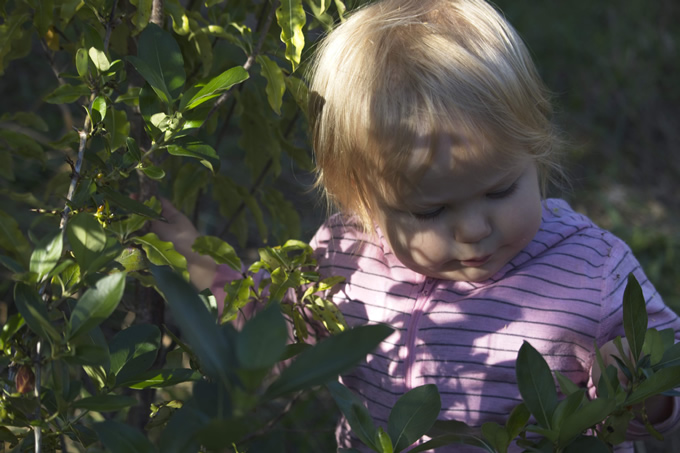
x: 466, y: 217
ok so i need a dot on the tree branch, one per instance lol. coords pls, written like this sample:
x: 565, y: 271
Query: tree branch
x: 157, y: 12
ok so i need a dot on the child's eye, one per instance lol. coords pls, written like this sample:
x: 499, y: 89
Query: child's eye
x: 502, y: 193
x: 427, y: 215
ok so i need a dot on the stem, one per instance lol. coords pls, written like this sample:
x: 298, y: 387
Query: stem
x: 76, y: 172
x: 37, y: 430
x: 109, y: 25
x: 157, y: 12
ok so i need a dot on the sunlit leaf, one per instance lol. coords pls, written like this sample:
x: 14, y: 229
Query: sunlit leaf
x: 46, y: 255
x: 87, y: 239
x: 192, y: 147
x: 141, y: 18
x: 291, y: 18
x: 162, y: 253
x: 216, y: 86
x: 219, y: 250
x: 97, y: 303
x: 161, y: 378
x: 82, y: 62
x: 99, y: 58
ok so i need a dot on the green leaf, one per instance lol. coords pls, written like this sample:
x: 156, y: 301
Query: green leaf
x: 653, y: 346
x: 97, y: 304
x: 46, y: 255
x: 219, y: 250
x: 567, y: 406
x: 162, y: 253
x: 87, y: 239
x: 291, y: 18
x: 134, y: 350
x: 634, y: 316
x: 159, y: 61
x: 536, y: 384
x: 276, y: 84
x: 671, y: 357
x: 133, y: 149
x: 413, y: 415
x: 161, y: 378
x: 262, y: 340
x: 153, y: 172
x: 328, y: 358
x: 34, y: 312
x: 517, y: 420
x: 192, y: 147
x: 588, y: 415
x: 663, y: 380
x: 496, y: 435
x: 66, y: 94
x: 195, y: 322
x: 567, y: 387
x: 141, y: 18
x: 98, y: 57
x: 105, y: 403
x: 12, y: 326
x: 82, y: 62
x: 385, y: 441
x: 355, y: 412
x: 216, y: 87
x: 120, y: 438
x: 127, y: 203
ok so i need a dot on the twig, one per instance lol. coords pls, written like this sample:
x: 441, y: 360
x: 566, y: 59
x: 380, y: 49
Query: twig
x: 109, y: 25
x: 76, y: 172
x: 37, y: 430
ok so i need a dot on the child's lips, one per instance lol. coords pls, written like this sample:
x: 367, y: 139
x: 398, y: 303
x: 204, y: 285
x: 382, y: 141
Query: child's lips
x: 475, y: 262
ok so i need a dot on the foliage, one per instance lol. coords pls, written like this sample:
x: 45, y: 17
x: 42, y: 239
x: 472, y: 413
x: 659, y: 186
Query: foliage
x: 570, y: 424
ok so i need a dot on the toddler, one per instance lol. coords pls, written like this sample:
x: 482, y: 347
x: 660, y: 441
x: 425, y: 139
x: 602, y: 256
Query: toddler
x: 433, y: 138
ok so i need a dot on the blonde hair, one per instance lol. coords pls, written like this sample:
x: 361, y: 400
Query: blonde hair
x: 399, y: 72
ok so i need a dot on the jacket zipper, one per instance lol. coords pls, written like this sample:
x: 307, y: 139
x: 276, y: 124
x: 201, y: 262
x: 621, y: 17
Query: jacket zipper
x: 421, y: 300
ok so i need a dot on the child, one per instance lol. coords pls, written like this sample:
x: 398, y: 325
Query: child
x: 433, y: 137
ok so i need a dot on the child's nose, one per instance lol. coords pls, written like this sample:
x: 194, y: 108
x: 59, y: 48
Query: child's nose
x: 471, y: 227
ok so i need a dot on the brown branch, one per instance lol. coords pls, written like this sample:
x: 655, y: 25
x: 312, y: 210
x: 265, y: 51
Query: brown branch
x: 109, y: 25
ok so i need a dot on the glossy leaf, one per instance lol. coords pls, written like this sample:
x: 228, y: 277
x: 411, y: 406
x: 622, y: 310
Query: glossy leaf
x: 385, y: 441
x: 153, y: 172
x: 216, y: 87
x: 105, y: 403
x: 97, y: 303
x: 197, y: 325
x: 162, y: 253
x: 328, y: 358
x: 191, y: 147
x: 46, y: 255
x: 663, y: 380
x: 291, y: 18
x: 671, y: 357
x: 262, y: 340
x: 161, y: 378
x: 536, y: 384
x: 634, y: 316
x: 413, y: 415
x: 355, y: 412
x: 134, y: 350
x: 219, y: 250
x: 120, y: 438
x: 99, y: 58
